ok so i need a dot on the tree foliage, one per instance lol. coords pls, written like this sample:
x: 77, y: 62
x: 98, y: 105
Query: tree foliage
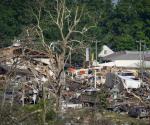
x: 118, y: 25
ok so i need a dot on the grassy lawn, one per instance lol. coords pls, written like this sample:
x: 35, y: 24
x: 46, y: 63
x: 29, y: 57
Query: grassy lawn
x: 124, y: 118
x: 112, y: 117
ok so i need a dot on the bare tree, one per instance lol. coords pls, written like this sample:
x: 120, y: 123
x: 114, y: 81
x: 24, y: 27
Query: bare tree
x: 67, y: 21
x: 64, y: 19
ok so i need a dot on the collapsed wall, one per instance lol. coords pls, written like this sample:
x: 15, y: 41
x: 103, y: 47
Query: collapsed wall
x: 112, y: 80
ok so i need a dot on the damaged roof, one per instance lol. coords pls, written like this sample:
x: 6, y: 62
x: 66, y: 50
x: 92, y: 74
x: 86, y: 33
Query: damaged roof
x: 11, y: 51
x: 128, y: 55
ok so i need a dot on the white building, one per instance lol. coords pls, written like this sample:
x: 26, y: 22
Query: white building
x: 125, y: 59
x: 105, y: 51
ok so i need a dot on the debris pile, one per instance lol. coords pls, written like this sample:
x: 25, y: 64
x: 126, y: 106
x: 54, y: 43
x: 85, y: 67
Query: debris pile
x: 26, y: 73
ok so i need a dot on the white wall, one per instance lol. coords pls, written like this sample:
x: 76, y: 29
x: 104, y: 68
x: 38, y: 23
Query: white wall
x: 131, y: 63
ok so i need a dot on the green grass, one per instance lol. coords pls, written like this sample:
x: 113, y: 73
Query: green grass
x: 124, y: 118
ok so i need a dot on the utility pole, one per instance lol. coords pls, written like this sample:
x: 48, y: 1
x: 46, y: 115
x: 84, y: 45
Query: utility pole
x: 140, y: 54
x: 96, y: 54
x: 141, y: 57
x: 70, y: 58
x: 87, y: 57
x: 144, y: 51
x: 96, y: 51
x: 95, y: 81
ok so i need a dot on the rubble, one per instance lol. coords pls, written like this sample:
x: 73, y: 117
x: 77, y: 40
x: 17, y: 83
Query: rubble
x: 139, y: 112
x: 28, y: 69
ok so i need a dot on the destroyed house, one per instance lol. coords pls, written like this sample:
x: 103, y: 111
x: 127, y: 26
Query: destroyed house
x: 7, y: 55
x: 18, y: 51
x: 29, y: 52
x: 26, y: 59
x: 20, y: 74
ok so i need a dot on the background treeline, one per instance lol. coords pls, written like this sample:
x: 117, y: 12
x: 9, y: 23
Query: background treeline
x: 119, y: 24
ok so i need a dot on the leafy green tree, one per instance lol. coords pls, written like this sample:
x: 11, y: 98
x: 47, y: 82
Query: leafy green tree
x: 125, y: 24
x: 14, y: 16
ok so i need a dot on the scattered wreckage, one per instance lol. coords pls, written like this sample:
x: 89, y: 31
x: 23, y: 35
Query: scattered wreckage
x: 139, y: 112
x: 89, y: 97
x: 126, y: 92
x: 129, y: 81
x: 129, y: 94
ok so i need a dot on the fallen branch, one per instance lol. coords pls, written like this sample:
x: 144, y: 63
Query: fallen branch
x: 139, y: 98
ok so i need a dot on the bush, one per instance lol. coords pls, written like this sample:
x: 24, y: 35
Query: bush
x: 103, y: 101
x: 51, y: 115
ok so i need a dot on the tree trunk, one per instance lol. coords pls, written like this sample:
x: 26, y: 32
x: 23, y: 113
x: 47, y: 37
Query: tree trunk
x: 44, y: 106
